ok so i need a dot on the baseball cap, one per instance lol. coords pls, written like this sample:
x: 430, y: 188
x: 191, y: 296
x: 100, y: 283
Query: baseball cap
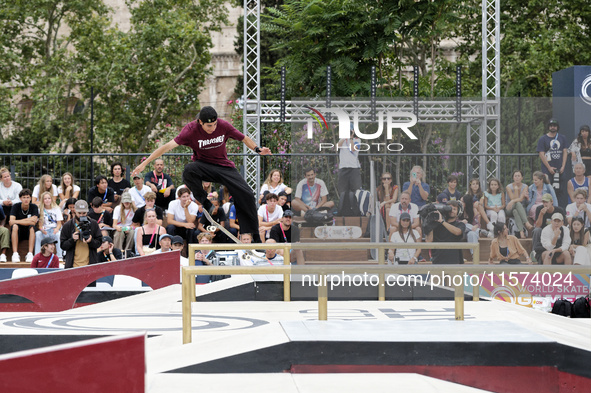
x: 547, y: 198
x: 138, y: 176
x: 288, y: 213
x: 107, y: 239
x: 404, y: 216
x: 177, y: 239
x: 208, y: 115
x: 48, y: 240
x: 556, y: 216
x: 166, y: 235
x: 81, y: 206
x: 126, y: 197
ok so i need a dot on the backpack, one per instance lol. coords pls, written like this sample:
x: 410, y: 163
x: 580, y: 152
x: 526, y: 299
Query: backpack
x: 512, y: 227
x: 348, y: 205
x: 581, y: 308
x: 364, y: 199
x: 562, y: 307
x: 318, y: 216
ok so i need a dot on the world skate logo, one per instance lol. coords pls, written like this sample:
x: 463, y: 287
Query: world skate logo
x: 586, y: 89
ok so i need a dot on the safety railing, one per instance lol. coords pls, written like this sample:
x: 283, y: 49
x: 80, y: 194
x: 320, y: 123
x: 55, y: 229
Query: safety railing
x: 190, y: 272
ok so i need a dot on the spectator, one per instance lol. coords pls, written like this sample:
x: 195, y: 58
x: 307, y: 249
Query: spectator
x: 445, y: 231
x: 387, y: 193
x: 102, y: 216
x: 580, y: 149
x: 552, y: 151
x: 46, y: 258
x: 405, y: 234
x: 9, y: 191
x: 50, y: 222
x: 450, y: 193
x: 150, y: 204
x: 556, y: 242
x: 311, y: 193
x: 118, y: 183
x: 349, y: 166
x: 269, y: 215
x: 23, y: 218
x: 273, y: 184
x: 102, y: 190
x: 506, y: 248
x: 207, y: 186
x: 4, y: 237
x: 579, y: 182
x: 80, y: 250
x: 272, y: 257
x: 161, y: 184
x: 517, y: 194
x: 579, y: 208
x: 204, y: 257
x: 218, y: 216
x: 579, y: 236
x: 146, y: 239
x: 494, y: 202
x: 123, y: 221
x: 404, y: 206
x: 182, y: 215
x: 475, y: 191
x: 232, y: 222
x: 107, y: 252
x: 419, y: 190
x: 67, y: 189
x: 165, y: 243
x: 68, y: 212
x: 284, y: 200
x: 45, y: 185
x: 471, y: 218
x: 177, y: 245
x: 139, y: 190
x: 537, y: 190
x: 544, y: 218
x: 285, y: 232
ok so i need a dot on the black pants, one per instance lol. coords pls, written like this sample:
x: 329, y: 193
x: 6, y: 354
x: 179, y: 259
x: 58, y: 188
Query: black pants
x: 246, y: 213
x: 349, y: 180
x: 162, y: 201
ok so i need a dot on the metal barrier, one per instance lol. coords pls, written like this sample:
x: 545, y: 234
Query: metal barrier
x: 189, y: 272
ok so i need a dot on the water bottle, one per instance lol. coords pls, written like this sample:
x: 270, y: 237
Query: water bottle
x: 556, y: 180
x: 334, y: 222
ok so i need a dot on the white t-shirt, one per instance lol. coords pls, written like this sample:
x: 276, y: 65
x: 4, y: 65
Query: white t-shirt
x: 404, y: 254
x: 127, y: 220
x: 348, y: 154
x: 10, y: 193
x: 51, y: 217
x: 396, y: 210
x: 311, y: 195
x: 36, y: 191
x: 75, y: 187
x: 572, y: 212
x: 270, y: 217
x: 178, y: 211
x: 138, y: 196
x: 274, y: 190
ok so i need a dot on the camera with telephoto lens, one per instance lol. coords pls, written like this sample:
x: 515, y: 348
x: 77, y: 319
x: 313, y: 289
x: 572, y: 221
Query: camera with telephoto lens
x: 429, y: 213
x: 84, y: 226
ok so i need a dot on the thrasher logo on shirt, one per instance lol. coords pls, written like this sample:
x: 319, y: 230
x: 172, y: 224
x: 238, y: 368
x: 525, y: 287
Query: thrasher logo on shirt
x: 203, y: 143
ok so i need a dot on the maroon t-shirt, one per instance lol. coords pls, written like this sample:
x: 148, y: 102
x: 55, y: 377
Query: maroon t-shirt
x: 41, y: 261
x: 209, y: 147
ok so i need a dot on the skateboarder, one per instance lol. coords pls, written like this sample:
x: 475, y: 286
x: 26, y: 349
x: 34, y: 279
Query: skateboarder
x: 207, y: 137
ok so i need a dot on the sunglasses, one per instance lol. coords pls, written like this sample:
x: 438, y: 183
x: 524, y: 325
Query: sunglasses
x: 386, y: 178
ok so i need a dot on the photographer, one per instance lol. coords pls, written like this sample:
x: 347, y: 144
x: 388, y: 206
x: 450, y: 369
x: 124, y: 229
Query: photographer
x: 446, y: 229
x: 80, y: 238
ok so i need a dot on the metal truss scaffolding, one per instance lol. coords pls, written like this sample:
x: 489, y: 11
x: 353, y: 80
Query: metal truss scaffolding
x: 482, y: 117
x: 252, y: 89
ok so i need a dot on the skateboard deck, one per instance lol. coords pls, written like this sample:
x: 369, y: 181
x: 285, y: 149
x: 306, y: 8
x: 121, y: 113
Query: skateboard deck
x: 337, y: 232
x: 221, y: 228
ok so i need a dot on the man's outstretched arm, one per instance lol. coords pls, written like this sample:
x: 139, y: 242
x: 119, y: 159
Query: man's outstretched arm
x: 157, y: 153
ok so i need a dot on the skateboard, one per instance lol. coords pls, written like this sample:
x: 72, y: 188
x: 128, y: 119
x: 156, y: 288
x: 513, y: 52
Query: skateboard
x: 221, y: 228
x: 338, y: 232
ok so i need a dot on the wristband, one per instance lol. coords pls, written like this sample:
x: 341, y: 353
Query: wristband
x: 257, y: 150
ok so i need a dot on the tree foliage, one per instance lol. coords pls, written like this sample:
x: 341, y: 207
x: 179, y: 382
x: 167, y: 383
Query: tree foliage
x: 142, y: 78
